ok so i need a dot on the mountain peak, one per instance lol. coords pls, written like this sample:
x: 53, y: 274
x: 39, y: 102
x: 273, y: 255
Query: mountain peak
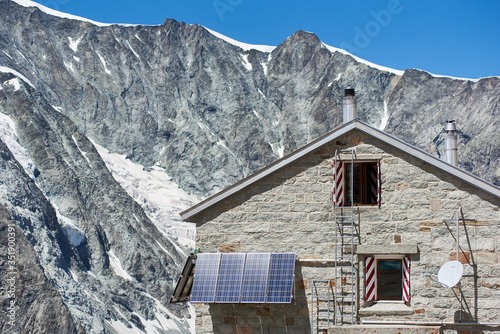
x: 304, y: 36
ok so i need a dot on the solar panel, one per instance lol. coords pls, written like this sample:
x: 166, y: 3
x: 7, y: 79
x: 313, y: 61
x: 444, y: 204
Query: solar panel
x: 255, y: 278
x: 281, y: 273
x: 230, y: 278
x: 205, y: 277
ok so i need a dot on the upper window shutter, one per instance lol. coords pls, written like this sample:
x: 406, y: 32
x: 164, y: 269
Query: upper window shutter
x: 406, y: 279
x: 338, y: 184
x: 371, y: 279
x: 378, y: 183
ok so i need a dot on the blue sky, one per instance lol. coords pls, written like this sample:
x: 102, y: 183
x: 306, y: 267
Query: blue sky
x: 448, y: 37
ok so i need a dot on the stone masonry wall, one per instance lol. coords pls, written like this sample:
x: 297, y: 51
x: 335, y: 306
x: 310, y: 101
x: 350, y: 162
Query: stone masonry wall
x: 291, y: 210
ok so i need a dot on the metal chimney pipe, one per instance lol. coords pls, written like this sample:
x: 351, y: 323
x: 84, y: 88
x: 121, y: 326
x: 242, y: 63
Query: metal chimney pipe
x: 349, y: 105
x: 450, y: 149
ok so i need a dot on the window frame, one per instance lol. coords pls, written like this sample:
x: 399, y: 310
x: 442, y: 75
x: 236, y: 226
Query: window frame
x: 362, y: 182
x: 392, y: 258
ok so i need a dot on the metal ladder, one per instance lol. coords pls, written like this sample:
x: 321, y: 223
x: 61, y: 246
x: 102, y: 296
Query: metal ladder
x: 345, y: 270
x: 321, y: 306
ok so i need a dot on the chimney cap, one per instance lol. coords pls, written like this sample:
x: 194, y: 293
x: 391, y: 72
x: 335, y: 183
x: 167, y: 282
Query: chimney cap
x: 349, y: 91
x: 450, y: 125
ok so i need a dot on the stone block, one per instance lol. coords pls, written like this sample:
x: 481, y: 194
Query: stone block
x: 399, y: 205
x: 323, y: 217
x: 420, y: 215
x: 226, y: 248
x: 322, y: 197
x: 273, y: 207
x: 399, y: 216
x: 313, y: 188
x: 376, y: 216
x: 445, y: 185
x: 232, y: 217
x: 416, y: 238
x: 217, y: 239
x: 207, y: 228
x: 457, y: 194
x: 310, y: 207
x: 484, y: 244
x: 261, y: 217
x: 295, y: 238
x: 442, y: 303
x: 419, y: 185
x: 382, y: 228
x: 304, y: 227
x: 243, y: 330
x: 390, y: 161
x: 230, y: 227
x: 293, y: 189
x: 248, y: 207
x: 321, y: 237
x: 436, y: 194
x: 268, y: 238
x: 263, y: 311
x: 443, y: 244
x: 376, y: 239
x: 402, y: 186
x: 294, y: 217
x: 407, y: 227
x: 485, y: 258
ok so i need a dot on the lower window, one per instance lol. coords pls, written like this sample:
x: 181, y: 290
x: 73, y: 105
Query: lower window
x: 387, y: 278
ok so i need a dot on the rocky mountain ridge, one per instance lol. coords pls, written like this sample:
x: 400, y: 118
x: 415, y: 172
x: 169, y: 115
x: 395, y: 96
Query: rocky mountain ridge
x: 175, y: 98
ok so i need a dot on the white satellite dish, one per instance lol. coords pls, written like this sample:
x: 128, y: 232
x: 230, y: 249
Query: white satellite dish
x: 450, y: 274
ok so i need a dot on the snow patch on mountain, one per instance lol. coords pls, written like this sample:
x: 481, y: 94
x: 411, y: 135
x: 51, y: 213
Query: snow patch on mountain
x: 116, y: 264
x: 75, y: 235
x: 161, y: 198
x: 244, y: 46
x: 385, y: 117
x: 46, y: 10
x: 16, y: 73
x: 9, y: 137
x: 73, y: 44
x: 378, y: 67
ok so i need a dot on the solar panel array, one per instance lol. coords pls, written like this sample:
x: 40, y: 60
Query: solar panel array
x: 243, y: 278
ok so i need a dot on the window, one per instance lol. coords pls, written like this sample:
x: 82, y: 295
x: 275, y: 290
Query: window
x: 365, y: 183
x: 387, y: 278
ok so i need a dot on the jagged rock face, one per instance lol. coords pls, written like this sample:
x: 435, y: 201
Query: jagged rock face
x: 32, y: 305
x: 106, y: 258
x: 208, y: 112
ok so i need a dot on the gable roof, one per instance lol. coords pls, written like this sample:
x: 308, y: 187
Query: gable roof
x: 328, y: 139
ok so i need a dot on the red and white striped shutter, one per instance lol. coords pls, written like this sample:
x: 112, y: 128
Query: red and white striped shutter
x: 371, y: 279
x: 406, y: 279
x: 338, y: 184
x: 373, y: 176
x: 378, y: 183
